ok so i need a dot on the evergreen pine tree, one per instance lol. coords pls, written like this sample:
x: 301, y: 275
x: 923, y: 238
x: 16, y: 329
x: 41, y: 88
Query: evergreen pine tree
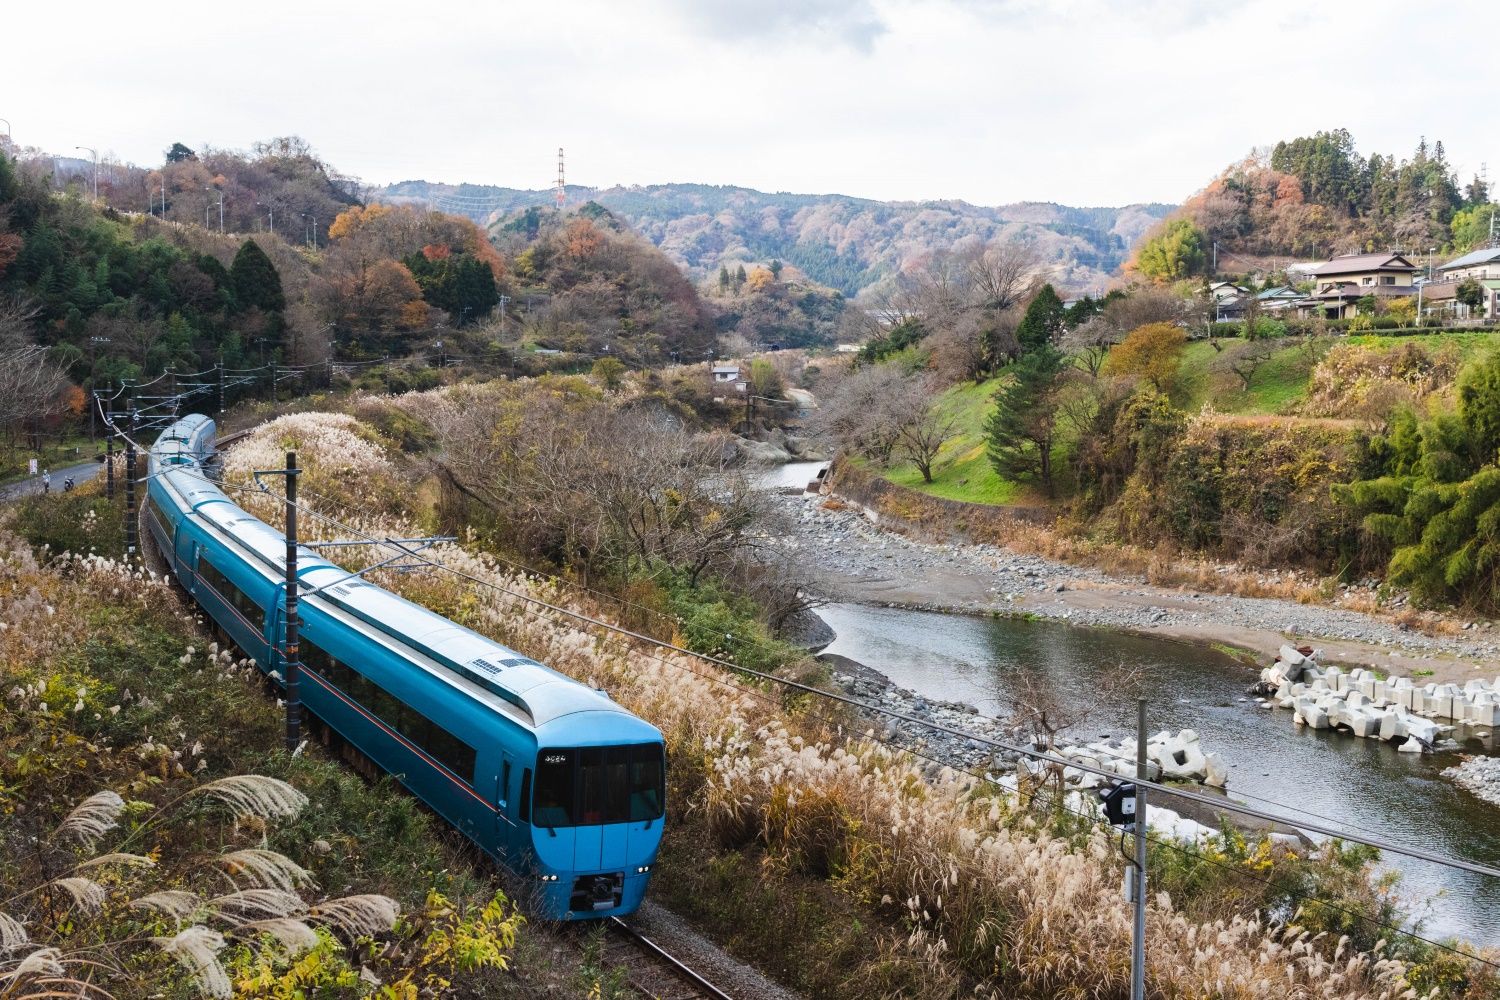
x: 739, y: 279
x: 1020, y: 435
x: 723, y: 278
x: 255, y: 281
x: 1043, y: 322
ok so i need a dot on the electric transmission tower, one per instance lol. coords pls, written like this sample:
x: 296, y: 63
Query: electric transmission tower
x: 562, y: 194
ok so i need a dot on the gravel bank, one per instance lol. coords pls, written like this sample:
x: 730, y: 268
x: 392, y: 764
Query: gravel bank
x: 852, y: 559
x: 1480, y: 775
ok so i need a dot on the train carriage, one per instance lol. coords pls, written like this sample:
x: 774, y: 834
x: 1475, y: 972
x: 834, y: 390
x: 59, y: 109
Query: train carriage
x: 553, y: 779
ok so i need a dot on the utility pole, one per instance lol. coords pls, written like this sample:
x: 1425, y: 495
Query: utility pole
x: 109, y: 453
x: 1138, y: 882
x: 130, y: 514
x: 506, y: 298
x: 293, y: 664
x: 273, y: 380
x: 221, y: 385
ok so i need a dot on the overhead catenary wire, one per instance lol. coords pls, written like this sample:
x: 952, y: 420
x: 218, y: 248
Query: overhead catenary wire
x: 1166, y: 843
x: 576, y: 620
x: 1040, y: 755
x: 1349, y: 832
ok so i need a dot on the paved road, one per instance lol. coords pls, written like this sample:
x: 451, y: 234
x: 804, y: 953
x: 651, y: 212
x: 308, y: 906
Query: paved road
x: 81, y: 473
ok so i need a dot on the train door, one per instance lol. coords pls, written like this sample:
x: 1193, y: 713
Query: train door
x: 505, y: 809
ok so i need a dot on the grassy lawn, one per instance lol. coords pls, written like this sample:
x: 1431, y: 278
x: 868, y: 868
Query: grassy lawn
x: 1279, y: 383
x: 962, y: 471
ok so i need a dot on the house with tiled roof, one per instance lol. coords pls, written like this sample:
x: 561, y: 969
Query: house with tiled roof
x: 1341, y: 282
x: 1482, y: 266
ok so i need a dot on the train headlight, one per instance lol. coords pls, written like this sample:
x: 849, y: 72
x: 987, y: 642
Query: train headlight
x: 549, y: 878
x: 643, y: 869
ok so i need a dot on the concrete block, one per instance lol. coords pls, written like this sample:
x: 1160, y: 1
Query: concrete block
x: 1217, y: 774
x: 1290, y: 656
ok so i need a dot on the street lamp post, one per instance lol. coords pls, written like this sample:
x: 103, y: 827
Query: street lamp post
x: 7, y: 130
x: 221, y: 208
x: 92, y: 151
x: 271, y: 210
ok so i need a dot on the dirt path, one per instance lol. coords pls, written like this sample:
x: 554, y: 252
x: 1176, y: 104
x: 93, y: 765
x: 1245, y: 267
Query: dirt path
x: 852, y: 559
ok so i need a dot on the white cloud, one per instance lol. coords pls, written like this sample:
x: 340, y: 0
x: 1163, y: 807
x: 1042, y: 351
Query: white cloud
x: 1079, y: 101
x: 854, y: 23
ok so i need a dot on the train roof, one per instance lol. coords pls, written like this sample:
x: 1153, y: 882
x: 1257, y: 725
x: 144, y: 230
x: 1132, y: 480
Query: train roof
x: 492, y: 670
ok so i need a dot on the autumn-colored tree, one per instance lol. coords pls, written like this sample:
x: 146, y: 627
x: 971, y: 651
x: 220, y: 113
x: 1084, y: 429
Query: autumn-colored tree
x: 72, y: 401
x: 1152, y: 353
x: 581, y: 240
x: 760, y: 279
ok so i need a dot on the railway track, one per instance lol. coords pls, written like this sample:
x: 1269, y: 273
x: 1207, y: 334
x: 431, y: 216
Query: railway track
x: 651, y: 970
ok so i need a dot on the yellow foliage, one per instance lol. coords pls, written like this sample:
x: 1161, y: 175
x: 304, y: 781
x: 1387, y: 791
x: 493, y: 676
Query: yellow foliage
x: 760, y: 279
x: 1152, y: 353
x: 352, y: 220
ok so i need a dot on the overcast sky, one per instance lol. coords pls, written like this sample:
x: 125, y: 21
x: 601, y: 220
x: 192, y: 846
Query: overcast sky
x: 1085, y: 102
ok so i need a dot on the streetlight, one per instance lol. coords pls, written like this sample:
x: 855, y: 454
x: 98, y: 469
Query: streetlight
x: 271, y: 209
x: 310, y: 233
x: 7, y: 129
x: 221, y: 209
x: 92, y: 150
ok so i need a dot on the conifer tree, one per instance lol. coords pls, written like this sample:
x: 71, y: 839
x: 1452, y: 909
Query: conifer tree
x: 1043, y: 322
x: 255, y: 281
x: 723, y: 278
x: 1021, y: 433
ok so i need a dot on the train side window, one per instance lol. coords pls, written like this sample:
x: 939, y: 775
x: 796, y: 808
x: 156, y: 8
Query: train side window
x: 526, y: 795
x: 229, y: 593
x: 505, y: 782
x: 447, y: 749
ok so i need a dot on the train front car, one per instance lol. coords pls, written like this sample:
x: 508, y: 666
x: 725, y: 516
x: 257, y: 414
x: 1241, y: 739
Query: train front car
x: 558, y: 783
x: 597, y: 812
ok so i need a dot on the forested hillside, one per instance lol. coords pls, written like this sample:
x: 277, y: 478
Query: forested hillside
x: 844, y: 243
x: 1317, y: 195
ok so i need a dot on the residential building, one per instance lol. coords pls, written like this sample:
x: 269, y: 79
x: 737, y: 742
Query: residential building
x: 1344, y: 280
x: 726, y: 373
x: 1278, y: 299
x: 1441, y: 296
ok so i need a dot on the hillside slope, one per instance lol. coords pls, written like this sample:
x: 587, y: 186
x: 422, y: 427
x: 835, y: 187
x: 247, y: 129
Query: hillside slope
x: 845, y: 243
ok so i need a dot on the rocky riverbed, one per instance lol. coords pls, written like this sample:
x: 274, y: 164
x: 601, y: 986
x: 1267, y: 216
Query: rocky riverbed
x: 850, y: 557
x: 1480, y: 775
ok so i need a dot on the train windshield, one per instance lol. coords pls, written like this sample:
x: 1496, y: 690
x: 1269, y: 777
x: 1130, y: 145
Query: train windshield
x: 586, y: 786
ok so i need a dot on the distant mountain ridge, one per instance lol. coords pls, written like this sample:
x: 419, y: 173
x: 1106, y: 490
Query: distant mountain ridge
x: 844, y: 242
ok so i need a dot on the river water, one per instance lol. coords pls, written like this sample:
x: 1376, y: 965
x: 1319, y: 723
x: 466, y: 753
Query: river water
x: 1360, y: 785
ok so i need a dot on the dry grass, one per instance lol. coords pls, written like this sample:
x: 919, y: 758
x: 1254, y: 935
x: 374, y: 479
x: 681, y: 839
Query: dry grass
x: 988, y: 894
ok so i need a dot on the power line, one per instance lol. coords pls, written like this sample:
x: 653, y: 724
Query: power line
x: 555, y: 611
x: 1369, y: 841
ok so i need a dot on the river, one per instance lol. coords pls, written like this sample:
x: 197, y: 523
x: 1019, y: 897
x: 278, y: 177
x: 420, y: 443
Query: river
x: 1358, y: 784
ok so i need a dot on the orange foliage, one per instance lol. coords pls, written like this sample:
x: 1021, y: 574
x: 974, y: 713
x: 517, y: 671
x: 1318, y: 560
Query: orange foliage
x: 72, y: 400
x: 760, y: 279
x: 414, y: 314
x: 436, y: 251
x: 581, y: 239
x: 352, y: 220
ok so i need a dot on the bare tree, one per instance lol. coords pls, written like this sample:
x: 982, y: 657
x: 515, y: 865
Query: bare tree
x: 1244, y: 358
x: 1001, y: 275
x: 861, y: 413
x: 31, y: 384
x: 922, y: 425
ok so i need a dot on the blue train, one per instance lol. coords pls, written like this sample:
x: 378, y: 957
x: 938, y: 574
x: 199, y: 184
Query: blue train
x: 553, y: 779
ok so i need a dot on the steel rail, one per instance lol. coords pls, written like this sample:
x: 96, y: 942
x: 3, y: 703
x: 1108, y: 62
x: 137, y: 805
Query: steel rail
x: 678, y: 966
